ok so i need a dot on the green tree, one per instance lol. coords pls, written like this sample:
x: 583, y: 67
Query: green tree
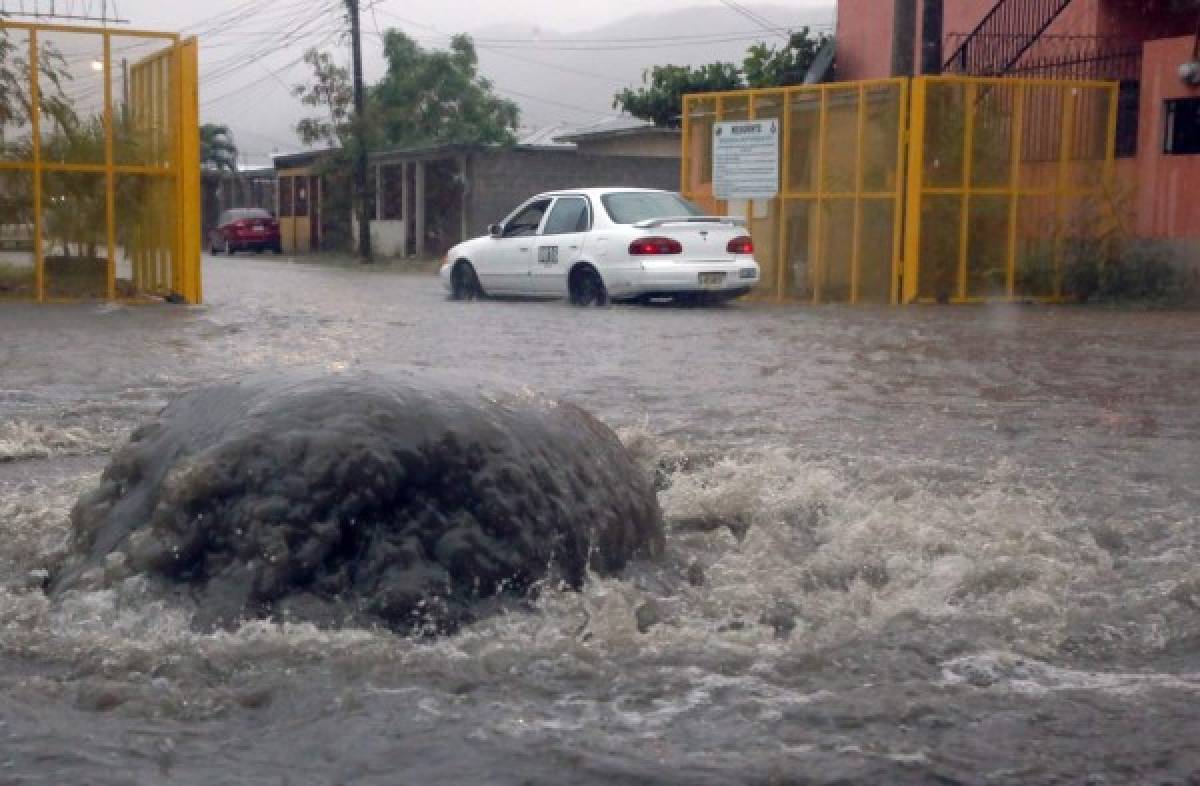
x: 331, y: 93
x: 16, y: 106
x: 424, y: 97
x: 766, y: 66
x: 218, y: 152
x: 430, y: 97
x: 660, y: 99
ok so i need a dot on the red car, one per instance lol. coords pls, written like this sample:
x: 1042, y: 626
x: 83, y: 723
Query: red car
x: 245, y: 229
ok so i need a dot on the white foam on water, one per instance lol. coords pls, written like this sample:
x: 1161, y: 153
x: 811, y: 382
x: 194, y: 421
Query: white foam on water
x: 1006, y: 671
x: 22, y: 440
x: 847, y: 560
x: 34, y: 528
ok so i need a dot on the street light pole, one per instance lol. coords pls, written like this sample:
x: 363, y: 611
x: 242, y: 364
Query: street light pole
x: 361, y: 184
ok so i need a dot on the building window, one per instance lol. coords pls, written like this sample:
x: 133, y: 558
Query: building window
x: 1182, y: 137
x: 1128, y: 107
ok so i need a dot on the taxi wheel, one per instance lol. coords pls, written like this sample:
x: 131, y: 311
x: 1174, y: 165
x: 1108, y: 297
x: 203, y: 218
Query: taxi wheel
x: 464, y: 284
x: 587, y: 288
x: 228, y: 247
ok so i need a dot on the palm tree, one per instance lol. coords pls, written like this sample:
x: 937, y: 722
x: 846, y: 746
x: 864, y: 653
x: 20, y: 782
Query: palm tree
x: 217, y: 149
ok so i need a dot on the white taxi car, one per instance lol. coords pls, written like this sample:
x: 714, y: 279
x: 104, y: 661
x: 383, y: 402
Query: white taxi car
x: 593, y: 245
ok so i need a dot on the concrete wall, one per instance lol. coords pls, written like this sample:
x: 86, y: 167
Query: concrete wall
x: 1168, y: 187
x: 499, y: 181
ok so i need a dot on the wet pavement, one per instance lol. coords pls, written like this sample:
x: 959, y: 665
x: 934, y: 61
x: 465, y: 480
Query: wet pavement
x: 952, y: 545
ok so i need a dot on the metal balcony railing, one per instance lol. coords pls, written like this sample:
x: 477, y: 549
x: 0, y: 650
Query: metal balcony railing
x: 1089, y: 58
x: 1003, y: 36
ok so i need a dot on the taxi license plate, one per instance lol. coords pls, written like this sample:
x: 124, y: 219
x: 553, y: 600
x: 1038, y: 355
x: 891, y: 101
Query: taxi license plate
x: 708, y: 280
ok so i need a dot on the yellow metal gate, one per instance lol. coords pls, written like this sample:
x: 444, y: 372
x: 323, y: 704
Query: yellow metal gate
x: 99, y: 164
x: 936, y: 188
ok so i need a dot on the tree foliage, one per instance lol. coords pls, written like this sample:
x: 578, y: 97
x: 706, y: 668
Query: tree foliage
x: 662, y: 102
x: 424, y: 97
x: 16, y: 103
x: 766, y: 66
x: 218, y: 152
x: 331, y: 94
x: 435, y: 96
x: 660, y: 99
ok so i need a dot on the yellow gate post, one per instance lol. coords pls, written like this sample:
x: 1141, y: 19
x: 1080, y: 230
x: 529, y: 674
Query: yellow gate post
x: 160, y: 98
x: 915, y: 183
x: 189, y: 280
x: 35, y: 122
x: 1014, y: 191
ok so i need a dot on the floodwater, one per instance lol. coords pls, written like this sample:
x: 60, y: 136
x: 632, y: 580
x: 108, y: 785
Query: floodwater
x: 932, y: 545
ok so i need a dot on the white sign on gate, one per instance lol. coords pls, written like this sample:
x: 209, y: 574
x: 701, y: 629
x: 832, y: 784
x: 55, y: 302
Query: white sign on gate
x: 746, y: 159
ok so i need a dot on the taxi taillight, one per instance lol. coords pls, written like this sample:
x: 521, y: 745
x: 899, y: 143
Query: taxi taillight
x: 740, y: 245
x: 654, y: 246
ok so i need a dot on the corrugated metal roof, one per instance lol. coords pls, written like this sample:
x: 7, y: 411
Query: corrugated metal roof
x: 545, y: 137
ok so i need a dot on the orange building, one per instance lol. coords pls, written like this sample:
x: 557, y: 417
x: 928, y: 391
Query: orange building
x: 1152, y: 47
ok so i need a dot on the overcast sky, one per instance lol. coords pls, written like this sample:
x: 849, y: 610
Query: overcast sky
x: 446, y: 14
x: 249, y: 49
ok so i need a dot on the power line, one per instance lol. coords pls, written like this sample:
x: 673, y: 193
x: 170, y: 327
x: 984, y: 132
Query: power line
x: 758, y: 19
x: 507, y: 91
x: 271, y: 74
x: 284, y: 40
x: 556, y: 66
x: 66, y: 10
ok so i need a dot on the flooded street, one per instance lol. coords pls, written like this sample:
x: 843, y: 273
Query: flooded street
x: 922, y: 545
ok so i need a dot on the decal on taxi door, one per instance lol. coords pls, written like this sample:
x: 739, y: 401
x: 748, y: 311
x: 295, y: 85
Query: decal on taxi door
x: 547, y: 255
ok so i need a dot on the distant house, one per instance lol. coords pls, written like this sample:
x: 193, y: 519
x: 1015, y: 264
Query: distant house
x: 429, y: 198
x: 306, y: 222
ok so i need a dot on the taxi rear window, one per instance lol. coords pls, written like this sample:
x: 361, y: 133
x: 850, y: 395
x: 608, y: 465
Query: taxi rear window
x: 630, y: 207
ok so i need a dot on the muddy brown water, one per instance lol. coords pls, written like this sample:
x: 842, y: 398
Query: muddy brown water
x: 930, y: 545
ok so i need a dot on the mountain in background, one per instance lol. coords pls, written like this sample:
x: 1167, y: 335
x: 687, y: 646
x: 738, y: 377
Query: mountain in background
x: 557, y: 79
x: 570, y: 79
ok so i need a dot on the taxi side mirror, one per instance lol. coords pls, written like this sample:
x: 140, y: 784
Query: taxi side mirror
x: 495, y: 230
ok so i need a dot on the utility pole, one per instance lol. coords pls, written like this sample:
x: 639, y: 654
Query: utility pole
x: 361, y: 185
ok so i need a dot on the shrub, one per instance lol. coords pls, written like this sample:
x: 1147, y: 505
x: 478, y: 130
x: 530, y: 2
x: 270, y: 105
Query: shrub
x: 1122, y: 271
